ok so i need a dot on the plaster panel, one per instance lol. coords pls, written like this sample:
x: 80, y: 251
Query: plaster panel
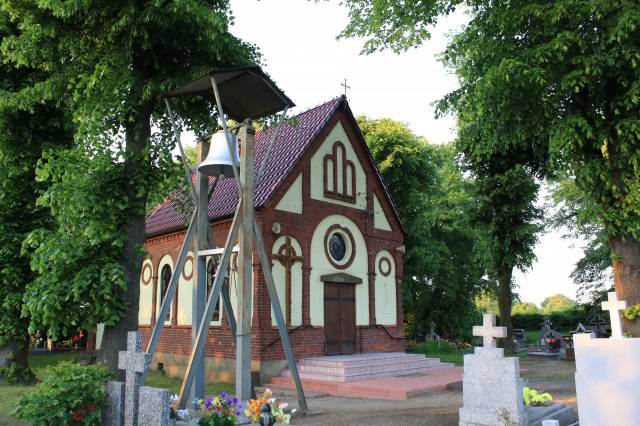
x: 185, y: 291
x: 385, y: 289
x: 291, y: 201
x: 320, y: 265
x: 380, y: 220
x: 278, y: 272
x: 338, y: 134
x: 166, y: 260
x: 146, y: 293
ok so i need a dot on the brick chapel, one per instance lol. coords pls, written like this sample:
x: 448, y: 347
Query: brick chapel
x: 336, y: 243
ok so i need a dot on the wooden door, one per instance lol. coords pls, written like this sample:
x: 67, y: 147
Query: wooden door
x: 339, y: 318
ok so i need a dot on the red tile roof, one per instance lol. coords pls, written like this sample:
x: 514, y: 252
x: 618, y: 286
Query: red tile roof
x: 292, y: 142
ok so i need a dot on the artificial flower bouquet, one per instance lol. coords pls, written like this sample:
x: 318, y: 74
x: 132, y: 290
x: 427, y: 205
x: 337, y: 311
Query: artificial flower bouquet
x: 278, y: 409
x: 219, y: 410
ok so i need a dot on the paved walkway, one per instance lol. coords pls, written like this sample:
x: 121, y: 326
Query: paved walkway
x: 438, y: 408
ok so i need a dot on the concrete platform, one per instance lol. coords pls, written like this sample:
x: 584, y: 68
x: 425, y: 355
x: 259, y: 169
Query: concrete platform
x: 390, y: 376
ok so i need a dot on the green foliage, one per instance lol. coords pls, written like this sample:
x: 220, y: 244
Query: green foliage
x: 632, y: 312
x: 487, y: 302
x: 562, y: 321
x: 108, y: 63
x: 441, y: 273
x: 557, y: 303
x: 389, y: 24
x: 533, y: 397
x: 72, y: 395
x: 77, y: 262
x: 576, y: 214
x: 551, y: 86
x: 15, y: 373
x: 26, y: 130
x: 524, y: 308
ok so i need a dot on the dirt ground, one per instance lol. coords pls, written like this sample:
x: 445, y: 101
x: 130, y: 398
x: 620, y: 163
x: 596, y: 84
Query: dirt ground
x: 433, y: 409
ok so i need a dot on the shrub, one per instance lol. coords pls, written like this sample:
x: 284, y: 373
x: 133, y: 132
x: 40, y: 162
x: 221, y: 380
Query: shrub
x: 72, y: 395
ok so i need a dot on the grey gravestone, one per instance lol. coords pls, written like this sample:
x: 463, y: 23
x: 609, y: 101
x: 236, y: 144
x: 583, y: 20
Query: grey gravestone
x: 113, y: 412
x: 154, y: 407
x: 135, y: 363
x: 130, y: 403
x: 599, y: 326
x: 491, y: 384
x: 519, y: 340
x: 544, y: 331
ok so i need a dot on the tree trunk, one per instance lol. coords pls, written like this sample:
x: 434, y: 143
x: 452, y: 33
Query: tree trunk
x: 136, y: 164
x: 505, y: 299
x: 14, y: 365
x: 626, y: 276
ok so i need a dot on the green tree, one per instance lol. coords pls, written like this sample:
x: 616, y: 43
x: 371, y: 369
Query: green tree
x: 561, y: 75
x: 25, y: 131
x: 524, y: 308
x: 441, y: 273
x: 577, y: 216
x: 110, y: 62
x: 557, y: 303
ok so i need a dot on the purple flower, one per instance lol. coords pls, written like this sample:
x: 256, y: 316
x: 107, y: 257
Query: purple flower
x: 235, y: 400
x: 239, y: 405
x: 223, y: 394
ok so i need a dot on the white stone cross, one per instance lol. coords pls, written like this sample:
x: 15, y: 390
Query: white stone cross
x: 614, y: 306
x: 489, y: 331
x: 136, y: 363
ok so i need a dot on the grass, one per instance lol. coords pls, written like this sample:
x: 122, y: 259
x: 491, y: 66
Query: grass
x: 41, y: 365
x: 443, y: 350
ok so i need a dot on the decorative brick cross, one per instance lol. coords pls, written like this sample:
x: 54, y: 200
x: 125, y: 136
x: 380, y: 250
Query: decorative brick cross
x: 614, y: 306
x: 135, y: 363
x: 287, y: 257
x: 489, y: 331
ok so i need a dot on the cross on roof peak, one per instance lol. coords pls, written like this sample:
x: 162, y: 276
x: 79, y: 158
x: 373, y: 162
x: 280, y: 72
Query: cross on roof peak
x: 344, y: 84
x: 614, y: 306
x: 488, y: 331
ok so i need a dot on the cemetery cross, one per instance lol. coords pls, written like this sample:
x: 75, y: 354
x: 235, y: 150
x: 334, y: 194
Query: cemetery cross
x: 488, y: 331
x: 135, y: 363
x: 614, y: 306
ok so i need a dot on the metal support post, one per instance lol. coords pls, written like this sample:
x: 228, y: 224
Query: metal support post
x: 228, y: 308
x: 245, y: 265
x: 197, y: 350
x: 173, y: 285
x: 277, y: 311
x: 199, y: 290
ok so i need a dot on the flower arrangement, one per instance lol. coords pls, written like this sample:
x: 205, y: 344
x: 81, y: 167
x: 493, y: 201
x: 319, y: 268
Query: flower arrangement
x: 277, y: 409
x: 219, y: 410
x: 533, y: 397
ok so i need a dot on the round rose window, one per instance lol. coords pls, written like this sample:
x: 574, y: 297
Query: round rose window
x: 337, y: 247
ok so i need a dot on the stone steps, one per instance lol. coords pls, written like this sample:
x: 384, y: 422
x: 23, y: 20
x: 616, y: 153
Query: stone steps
x: 385, y: 388
x: 358, y: 367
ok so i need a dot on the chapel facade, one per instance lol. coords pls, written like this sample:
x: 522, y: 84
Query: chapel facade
x: 336, y: 245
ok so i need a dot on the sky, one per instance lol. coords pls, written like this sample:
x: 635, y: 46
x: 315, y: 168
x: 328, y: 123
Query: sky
x: 297, y: 39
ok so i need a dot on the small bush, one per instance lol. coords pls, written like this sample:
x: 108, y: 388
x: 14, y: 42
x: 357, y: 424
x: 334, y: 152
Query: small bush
x: 434, y: 347
x: 72, y: 395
